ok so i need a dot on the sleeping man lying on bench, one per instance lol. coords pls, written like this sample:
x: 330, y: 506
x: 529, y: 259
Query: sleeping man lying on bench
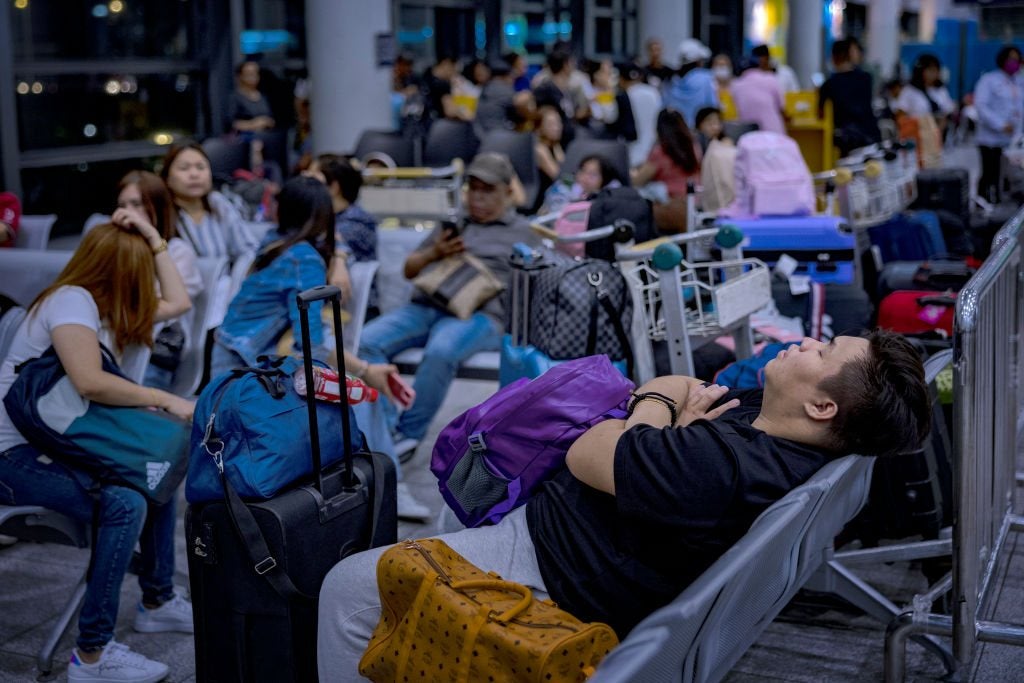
x: 646, y: 504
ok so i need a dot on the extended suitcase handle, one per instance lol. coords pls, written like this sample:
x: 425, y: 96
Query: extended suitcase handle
x: 303, y: 300
x: 314, y: 294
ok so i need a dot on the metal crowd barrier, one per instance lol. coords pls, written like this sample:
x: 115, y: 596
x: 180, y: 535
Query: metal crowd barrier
x: 986, y: 399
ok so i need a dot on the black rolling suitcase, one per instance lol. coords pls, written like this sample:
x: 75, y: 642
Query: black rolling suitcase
x: 938, y: 276
x: 255, y: 569
x: 944, y: 189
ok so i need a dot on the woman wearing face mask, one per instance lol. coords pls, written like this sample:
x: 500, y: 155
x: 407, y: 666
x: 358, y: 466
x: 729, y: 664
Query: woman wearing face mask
x: 721, y: 69
x: 999, y: 99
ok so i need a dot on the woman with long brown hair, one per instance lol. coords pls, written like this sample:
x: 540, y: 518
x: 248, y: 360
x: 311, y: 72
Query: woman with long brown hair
x: 146, y: 193
x: 105, y: 295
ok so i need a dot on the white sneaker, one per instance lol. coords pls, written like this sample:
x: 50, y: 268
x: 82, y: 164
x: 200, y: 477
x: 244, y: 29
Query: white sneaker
x: 117, y: 664
x: 409, y: 507
x: 405, y: 449
x: 173, y: 615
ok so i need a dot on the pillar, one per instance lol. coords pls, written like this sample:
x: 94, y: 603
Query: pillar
x: 804, y: 44
x: 883, y: 39
x: 10, y: 172
x: 670, y: 21
x: 350, y: 93
x: 927, y: 14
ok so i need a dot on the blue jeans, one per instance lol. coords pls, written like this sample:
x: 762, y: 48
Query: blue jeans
x: 375, y: 421
x: 447, y: 341
x: 27, y: 478
x: 224, y: 360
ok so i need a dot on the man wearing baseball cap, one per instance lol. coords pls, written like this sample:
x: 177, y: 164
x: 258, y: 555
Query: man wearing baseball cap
x: 487, y: 230
x: 693, y: 88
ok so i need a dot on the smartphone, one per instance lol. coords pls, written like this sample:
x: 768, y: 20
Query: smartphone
x: 450, y: 228
x: 402, y: 392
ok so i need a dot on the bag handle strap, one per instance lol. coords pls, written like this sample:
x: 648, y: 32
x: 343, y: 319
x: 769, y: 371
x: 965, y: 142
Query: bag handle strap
x: 526, y: 595
x: 263, y: 562
x: 620, y: 331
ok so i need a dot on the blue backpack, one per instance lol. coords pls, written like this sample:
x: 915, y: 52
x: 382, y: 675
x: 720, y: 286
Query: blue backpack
x: 749, y: 372
x: 255, y: 421
x: 137, y: 447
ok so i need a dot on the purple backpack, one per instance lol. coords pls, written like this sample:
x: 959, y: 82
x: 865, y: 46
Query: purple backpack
x: 489, y: 460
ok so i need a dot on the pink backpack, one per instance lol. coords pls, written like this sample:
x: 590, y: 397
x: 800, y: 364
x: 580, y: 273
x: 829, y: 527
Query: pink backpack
x: 572, y: 221
x: 771, y: 177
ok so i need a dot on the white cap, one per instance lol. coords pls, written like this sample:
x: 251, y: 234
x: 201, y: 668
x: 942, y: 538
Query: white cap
x: 692, y: 50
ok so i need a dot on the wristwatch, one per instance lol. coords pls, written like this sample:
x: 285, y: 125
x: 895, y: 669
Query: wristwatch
x: 160, y: 248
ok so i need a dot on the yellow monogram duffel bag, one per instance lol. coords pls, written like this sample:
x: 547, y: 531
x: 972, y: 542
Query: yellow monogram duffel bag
x: 444, y: 620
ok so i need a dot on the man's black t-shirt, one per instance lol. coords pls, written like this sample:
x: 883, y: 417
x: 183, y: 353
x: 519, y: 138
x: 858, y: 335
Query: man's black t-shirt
x: 434, y: 90
x: 683, y: 497
x: 852, y: 94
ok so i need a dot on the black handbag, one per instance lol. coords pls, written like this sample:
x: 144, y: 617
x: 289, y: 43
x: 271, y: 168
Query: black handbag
x: 167, y: 346
x: 581, y: 308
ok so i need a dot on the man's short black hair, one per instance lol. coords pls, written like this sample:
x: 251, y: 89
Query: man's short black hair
x: 1004, y: 54
x: 706, y: 112
x: 841, y: 50
x: 339, y: 169
x: 761, y: 51
x: 884, y: 406
x: 556, y: 61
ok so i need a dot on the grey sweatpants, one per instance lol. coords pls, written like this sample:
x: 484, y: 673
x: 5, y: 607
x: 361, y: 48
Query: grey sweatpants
x: 350, y: 603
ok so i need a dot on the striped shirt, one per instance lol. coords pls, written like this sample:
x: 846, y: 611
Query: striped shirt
x: 221, y: 232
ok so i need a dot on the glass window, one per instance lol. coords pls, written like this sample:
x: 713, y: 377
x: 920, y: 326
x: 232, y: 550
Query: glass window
x: 275, y: 28
x: 58, y: 111
x: 74, y: 192
x: 416, y: 33
x: 93, y: 29
x: 603, y: 43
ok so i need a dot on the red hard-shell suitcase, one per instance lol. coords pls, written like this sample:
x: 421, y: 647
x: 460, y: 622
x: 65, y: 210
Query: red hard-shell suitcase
x: 916, y: 312
x: 256, y: 620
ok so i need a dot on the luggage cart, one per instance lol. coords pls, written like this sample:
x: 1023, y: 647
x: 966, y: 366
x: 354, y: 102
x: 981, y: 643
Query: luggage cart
x: 868, y: 190
x: 413, y: 194
x: 873, y: 184
x: 688, y: 302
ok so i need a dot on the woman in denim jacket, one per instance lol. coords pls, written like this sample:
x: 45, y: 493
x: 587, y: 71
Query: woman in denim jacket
x: 291, y: 259
x: 287, y: 263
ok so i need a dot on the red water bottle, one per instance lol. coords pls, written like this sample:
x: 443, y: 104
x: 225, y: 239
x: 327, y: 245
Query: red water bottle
x: 327, y: 387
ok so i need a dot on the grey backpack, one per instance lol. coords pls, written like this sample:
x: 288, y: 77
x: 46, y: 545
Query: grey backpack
x: 581, y: 308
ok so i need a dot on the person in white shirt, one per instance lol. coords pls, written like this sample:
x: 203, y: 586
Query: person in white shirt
x: 646, y: 103
x: 107, y: 294
x: 926, y: 94
x: 145, y: 192
x: 999, y: 100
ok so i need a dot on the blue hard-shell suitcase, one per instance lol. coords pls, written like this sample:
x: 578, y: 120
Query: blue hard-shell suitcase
x: 823, y: 246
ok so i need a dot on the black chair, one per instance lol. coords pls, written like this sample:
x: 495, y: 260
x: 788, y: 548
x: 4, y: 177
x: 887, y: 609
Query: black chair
x: 395, y: 145
x: 614, y: 152
x: 518, y: 147
x: 448, y: 140
x: 737, y: 129
x: 226, y: 153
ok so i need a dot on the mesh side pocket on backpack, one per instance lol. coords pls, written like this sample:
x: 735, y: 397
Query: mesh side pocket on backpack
x: 474, y: 486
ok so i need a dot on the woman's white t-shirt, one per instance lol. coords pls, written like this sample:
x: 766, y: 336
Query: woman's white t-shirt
x: 913, y: 102
x: 66, y: 306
